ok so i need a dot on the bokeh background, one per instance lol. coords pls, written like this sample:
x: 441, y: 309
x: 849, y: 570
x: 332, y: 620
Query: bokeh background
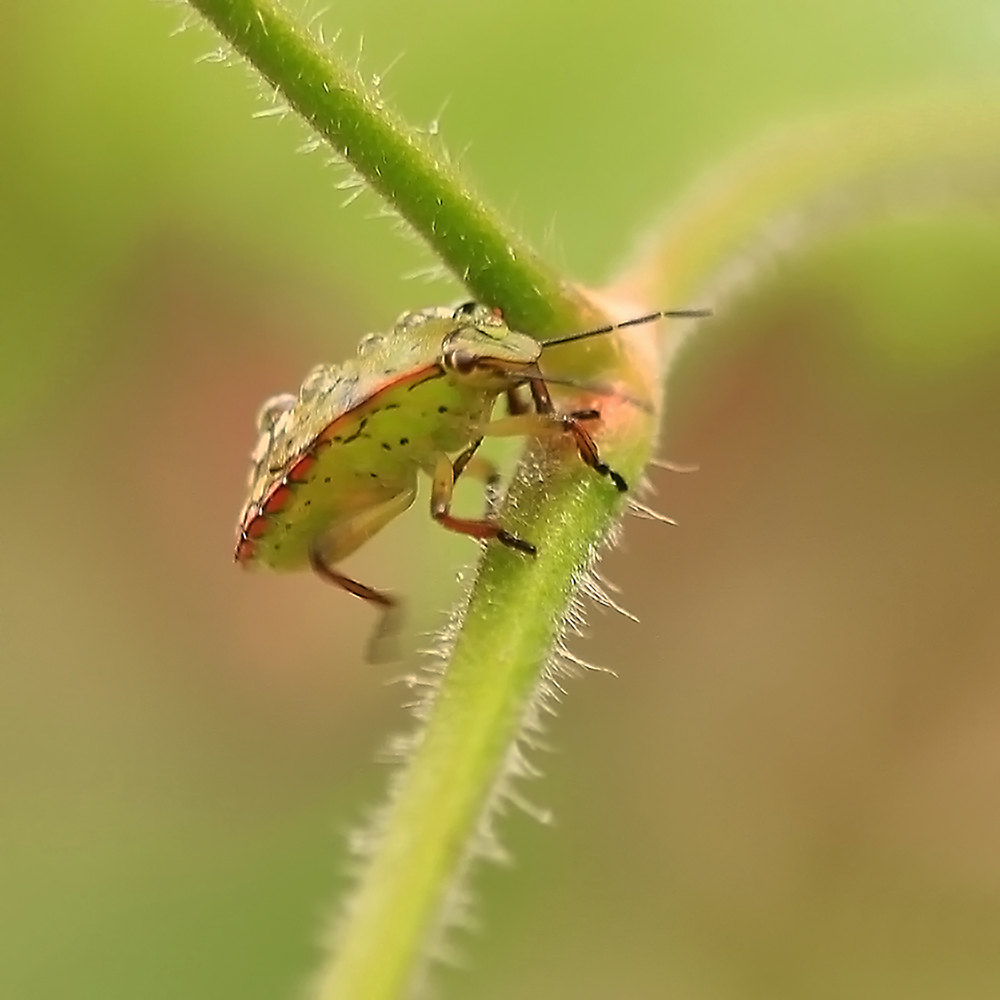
x: 791, y: 790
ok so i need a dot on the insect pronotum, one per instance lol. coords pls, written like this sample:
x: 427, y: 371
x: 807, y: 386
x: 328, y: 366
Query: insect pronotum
x: 339, y: 460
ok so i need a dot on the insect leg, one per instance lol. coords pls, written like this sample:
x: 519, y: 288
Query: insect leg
x: 545, y: 418
x: 382, y: 644
x: 540, y: 396
x: 587, y: 448
x: 471, y: 464
x: 516, y: 403
x: 475, y: 465
x: 441, y: 494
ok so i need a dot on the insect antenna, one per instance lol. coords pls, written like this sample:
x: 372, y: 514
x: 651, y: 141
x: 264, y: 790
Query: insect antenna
x: 638, y: 321
x: 599, y: 390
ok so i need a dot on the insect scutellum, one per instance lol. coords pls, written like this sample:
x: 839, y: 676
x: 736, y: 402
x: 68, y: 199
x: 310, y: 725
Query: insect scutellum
x: 337, y: 461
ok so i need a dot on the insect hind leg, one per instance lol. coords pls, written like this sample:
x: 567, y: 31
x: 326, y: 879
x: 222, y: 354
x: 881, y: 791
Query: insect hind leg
x: 383, y: 646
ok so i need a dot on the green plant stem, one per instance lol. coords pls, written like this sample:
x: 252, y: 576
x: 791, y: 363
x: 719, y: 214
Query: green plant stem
x: 434, y: 826
x: 397, y: 162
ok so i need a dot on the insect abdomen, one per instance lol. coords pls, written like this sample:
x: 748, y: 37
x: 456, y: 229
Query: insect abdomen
x: 357, y: 463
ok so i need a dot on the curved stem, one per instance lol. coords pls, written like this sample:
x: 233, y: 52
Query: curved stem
x: 807, y: 183
x: 397, y: 162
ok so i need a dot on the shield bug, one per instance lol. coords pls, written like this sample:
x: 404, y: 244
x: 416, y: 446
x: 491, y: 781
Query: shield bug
x: 339, y: 460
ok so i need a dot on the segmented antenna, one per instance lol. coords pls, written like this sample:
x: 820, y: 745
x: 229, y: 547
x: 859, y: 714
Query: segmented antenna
x: 638, y: 321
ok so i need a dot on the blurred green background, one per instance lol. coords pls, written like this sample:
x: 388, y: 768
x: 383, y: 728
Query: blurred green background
x: 792, y: 790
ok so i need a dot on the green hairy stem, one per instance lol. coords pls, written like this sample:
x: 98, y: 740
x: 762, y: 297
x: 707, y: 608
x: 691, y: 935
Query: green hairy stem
x: 397, y: 162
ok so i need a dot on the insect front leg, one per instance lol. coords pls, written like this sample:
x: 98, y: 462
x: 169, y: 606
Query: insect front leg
x: 516, y: 402
x: 572, y: 424
x: 545, y: 420
x: 442, y: 491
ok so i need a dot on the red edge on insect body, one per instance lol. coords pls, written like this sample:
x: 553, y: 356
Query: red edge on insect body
x: 254, y: 523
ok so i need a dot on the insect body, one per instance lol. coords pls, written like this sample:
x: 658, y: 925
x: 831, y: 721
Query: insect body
x: 337, y: 462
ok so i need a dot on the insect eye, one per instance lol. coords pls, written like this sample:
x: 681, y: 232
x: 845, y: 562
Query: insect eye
x: 465, y: 309
x: 462, y: 362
